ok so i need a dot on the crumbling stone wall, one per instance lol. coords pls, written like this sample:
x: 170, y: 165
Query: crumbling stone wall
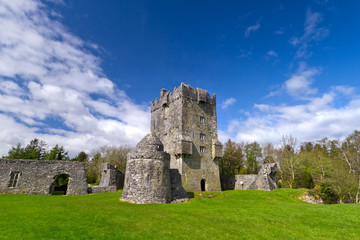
x: 37, y: 177
x: 111, y: 179
x: 264, y: 180
x: 186, y: 123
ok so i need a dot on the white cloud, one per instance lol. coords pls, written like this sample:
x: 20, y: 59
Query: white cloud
x: 272, y: 53
x: 313, y: 120
x: 228, y: 102
x: 299, y: 84
x: 344, y: 90
x: 251, y: 29
x: 47, y: 73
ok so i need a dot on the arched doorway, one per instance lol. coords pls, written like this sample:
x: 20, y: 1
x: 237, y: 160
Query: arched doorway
x: 202, y: 185
x: 60, y: 185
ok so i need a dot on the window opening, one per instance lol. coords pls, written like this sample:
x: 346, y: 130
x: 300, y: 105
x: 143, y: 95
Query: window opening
x: 202, y: 136
x: 14, y: 179
x: 202, y: 119
x: 202, y: 149
x: 148, y: 179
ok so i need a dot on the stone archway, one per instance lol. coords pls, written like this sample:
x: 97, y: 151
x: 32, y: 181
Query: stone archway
x: 60, y: 184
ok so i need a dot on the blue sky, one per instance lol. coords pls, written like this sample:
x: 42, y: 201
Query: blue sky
x: 83, y: 73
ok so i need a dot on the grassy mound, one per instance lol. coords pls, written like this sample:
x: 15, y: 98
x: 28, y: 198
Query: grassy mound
x: 229, y: 215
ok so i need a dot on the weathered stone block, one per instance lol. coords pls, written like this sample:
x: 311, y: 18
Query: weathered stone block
x: 217, y: 149
x: 183, y: 146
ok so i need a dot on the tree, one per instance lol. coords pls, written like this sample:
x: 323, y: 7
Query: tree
x: 252, y: 152
x: 269, y: 153
x: 232, y: 162
x: 116, y: 156
x: 36, y: 149
x: 57, y: 153
x: 351, y: 155
x: 81, y: 157
x: 15, y: 152
x: 289, y: 161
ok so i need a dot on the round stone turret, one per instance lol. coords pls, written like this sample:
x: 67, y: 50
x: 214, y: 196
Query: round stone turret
x: 147, y: 177
x: 150, y: 143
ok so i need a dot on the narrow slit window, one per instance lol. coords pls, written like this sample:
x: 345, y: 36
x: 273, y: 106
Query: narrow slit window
x: 202, y: 136
x: 202, y: 149
x: 14, y: 179
x: 202, y: 119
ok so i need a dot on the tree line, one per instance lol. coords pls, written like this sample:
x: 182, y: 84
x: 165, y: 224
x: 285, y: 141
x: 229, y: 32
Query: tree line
x: 330, y: 168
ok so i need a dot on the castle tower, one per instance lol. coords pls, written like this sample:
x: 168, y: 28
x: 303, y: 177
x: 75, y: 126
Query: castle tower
x: 147, y: 177
x: 185, y: 121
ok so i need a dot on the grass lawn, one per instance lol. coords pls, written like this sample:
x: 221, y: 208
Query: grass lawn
x: 230, y: 215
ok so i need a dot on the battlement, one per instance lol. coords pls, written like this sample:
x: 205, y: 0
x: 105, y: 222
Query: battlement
x: 183, y: 91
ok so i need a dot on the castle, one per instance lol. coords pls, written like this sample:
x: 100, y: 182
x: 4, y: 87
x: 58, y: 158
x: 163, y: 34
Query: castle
x: 185, y: 121
x: 180, y: 154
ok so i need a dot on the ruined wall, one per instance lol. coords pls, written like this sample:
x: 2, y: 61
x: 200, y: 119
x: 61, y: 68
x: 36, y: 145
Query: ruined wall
x: 237, y: 182
x: 111, y: 179
x: 37, y: 177
x: 264, y: 180
x: 185, y: 121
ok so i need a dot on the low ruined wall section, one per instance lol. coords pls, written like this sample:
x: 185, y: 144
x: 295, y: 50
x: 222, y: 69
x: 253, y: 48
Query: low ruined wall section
x: 37, y: 176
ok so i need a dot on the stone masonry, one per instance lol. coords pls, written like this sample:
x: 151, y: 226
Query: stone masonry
x: 186, y: 123
x: 264, y: 180
x: 147, y: 177
x: 111, y: 179
x: 37, y: 176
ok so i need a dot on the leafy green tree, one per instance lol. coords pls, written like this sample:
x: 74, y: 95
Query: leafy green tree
x: 16, y: 152
x: 232, y: 162
x: 253, y: 151
x: 351, y: 155
x: 81, y: 157
x: 57, y: 153
x: 36, y: 149
x: 290, y: 161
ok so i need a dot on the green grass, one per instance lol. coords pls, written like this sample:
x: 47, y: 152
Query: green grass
x: 230, y: 215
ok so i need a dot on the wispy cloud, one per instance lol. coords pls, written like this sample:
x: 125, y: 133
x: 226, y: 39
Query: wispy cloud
x: 251, y: 29
x: 280, y: 31
x: 47, y: 73
x: 312, y: 33
x: 228, y: 102
x: 244, y: 53
x: 272, y: 53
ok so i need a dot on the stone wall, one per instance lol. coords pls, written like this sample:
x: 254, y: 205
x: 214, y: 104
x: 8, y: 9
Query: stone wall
x: 111, y: 179
x: 264, y: 180
x: 37, y: 176
x: 186, y: 123
x: 237, y: 182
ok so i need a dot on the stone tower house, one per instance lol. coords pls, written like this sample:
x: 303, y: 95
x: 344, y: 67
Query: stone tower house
x: 185, y: 121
